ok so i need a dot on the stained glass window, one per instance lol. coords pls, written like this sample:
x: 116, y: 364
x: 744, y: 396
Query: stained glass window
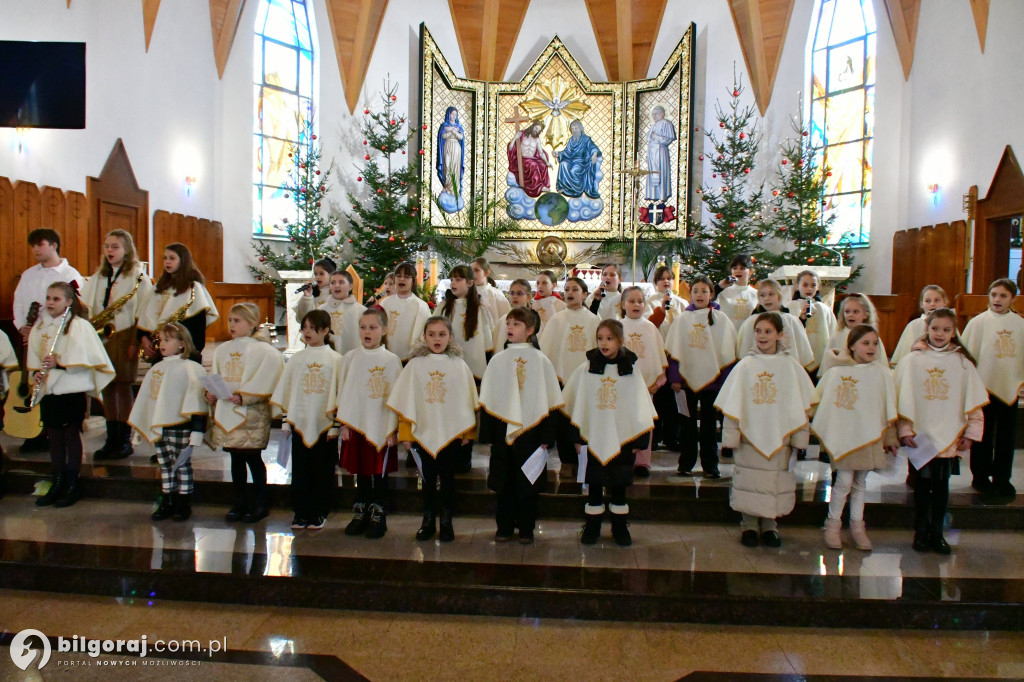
x: 842, y: 111
x: 283, y: 93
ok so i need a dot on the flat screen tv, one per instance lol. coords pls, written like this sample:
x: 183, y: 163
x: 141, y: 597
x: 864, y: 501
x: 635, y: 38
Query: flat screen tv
x: 42, y: 85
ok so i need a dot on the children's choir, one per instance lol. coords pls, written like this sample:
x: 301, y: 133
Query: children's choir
x: 602, y: 376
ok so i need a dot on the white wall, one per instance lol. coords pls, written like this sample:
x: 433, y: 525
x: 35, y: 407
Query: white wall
x: 947, y: 124
x: 161, y: 103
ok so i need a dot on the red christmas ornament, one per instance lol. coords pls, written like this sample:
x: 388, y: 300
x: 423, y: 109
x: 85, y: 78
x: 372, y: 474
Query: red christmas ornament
x: 696, y: 129
x: 359, y: 178
x: 263, y: 259
x: 424, y: 126
x: 721, y: 124
x: 380, y: 191
x: 810, y: 260
x: 784, y: 162
x: 775, y: 192
x: 720, y: 157
x: 717, y: 252
x: 732, y: 225
x: 318, y: 172
x: 718, y: 215
x: 829, y: 174
x: 354, y: 207
x: 310, y: 261
x: 366, y: 111
x: 367, y: 157
x: 742, y: 135
x: 314, y: 137
x: 735, y: 93
x: 701, y: 157
x: 790, y: 194
x: 391, y: 238
x: 403, y: 151
x: 332, y: 233
x: 393, y: 122
x: 394, y: 98
x: 365, y: 142
x: 349, y: 241
x: 746, y: 171
x: 422, y: 152
x: 800, y: 163
x: 714, y: 175
x: 732, y: 236
x: 760, y: 234
x: 698, y: 190
x: 782, y: 229
x: 403, y: 184
x: 805, y: 133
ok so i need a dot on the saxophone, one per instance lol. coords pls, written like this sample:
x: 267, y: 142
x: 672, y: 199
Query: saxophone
x: 103, y: 321
x: 177, y: 316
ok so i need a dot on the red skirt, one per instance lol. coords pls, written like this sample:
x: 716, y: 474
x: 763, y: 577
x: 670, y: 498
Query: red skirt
x: 358, y: 456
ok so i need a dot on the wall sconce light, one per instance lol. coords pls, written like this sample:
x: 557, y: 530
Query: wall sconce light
x: 190, y: 182
x: 933, y: 192
x: 21, y: 139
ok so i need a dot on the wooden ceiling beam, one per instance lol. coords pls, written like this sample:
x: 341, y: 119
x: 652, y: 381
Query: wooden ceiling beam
x: 355, y: 25
x: 979, y: 8
x: 903, y: 16
x: 761, y: 26
x: 224, y: 18
x: 487, y: 31
x: 626, y: 32
x: 149, y: 12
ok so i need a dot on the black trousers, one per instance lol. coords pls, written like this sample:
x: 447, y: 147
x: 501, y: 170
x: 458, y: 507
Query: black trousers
x: 666, y: 429
x: 992, y: 456
x: 564, y: 439
x: 931, y: 495
x: 253, y: 460
x: 313, y: 476
x: 440, y: 469
x: 62, y: 415
x: 699, y: 439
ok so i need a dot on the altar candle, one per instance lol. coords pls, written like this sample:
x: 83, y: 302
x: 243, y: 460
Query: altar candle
x: 675, y: 277
x: 419, y: 271
x: 433, y: 272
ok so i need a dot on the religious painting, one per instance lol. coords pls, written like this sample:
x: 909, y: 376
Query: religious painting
x: 549, y: 151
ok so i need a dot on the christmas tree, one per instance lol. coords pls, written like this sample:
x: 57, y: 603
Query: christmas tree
x: 311, y: 236
x: 799, y: 207
x: 383, y: 227
x: 732, y: 202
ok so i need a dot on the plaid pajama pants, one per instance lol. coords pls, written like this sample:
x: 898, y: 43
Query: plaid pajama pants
x: 170, y: 445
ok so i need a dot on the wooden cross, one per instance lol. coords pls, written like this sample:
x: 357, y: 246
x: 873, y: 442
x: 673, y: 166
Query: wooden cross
x: 515, y: 119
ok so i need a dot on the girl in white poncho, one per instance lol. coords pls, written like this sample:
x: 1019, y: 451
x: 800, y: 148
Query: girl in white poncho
x: 250, y: 367
x: 344, y: 310
x: 606, y: 299
x: 546, y: 302
x: 818, y: 320
x: 78, y: 367
x: 765, y: 402
x: 609, y: 406
x: 407, y: 312
x: 854, y: 310
x: 996, y: 339
x: 170, y: 412
x: 435, y: 399
x: 769, y: 296
x: 932, y: 298
x: 734, y: 294
x: 855, y: 422
x: 940, y: 396
x: 307, y: 396
x: 316, y: 292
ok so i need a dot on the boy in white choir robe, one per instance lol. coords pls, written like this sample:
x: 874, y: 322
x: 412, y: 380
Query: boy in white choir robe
x: 818, y: 320
x: 605, y: 301
x: 996, y: 340
x: 565, y: 340
x: 855, y: 423
x: 306, y: 397
x: 368, y: 427
x: 407, y: 313
x: 170, y: 413
x: 344, y: 311
x: 701, y: 346
x: 517, y: 397
x: 77, y: 367
x: 932, y: 298
x: 251, y: 368
x: 940, y: 395
x: 435, y: 399
x: 316, y: 292
x: 611, y: 413
x: 765, y: 402
x: 734, y: 295
x: 645, y: 341
x: 769, y: 295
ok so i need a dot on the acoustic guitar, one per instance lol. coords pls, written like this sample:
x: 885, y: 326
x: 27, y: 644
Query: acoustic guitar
x: 23, y: 422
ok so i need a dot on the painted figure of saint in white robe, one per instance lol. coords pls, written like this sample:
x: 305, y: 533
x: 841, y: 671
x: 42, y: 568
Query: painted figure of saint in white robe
x: 659, y: 158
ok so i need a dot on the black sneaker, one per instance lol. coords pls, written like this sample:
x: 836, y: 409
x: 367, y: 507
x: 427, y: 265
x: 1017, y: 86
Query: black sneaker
x: 526, y: 537
x: 1004, y: 489
x: 501, y: 536
x: 316, y: 523
x: 682, y: 472
x: 641, y: 472
x: 749, y: 538
x: 771, y: 538
x: 982, y: 485
x: 298, y: 523
x: 378, y: 522
x: 713, y: 475
x: 360, y: 520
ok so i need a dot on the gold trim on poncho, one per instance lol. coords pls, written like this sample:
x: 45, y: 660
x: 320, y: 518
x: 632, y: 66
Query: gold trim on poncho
x: 170, y: 394
x: 997, y: 342
x: 367, y: 379
x: 307, y: 392
x: 161, y: 306
x: 77, y: 350
x: 249, y: 367
x: 856, y: 404
x: 644, y: 339
x: 566, y: 339
x: 520, y: 388
x: 702, y: 350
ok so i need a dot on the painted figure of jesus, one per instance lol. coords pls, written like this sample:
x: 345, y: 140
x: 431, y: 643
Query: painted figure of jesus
x: 535, y: 162
x: 659, y: 158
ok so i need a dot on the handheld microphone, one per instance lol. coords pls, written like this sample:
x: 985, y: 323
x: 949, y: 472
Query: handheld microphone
x: 304, y: 288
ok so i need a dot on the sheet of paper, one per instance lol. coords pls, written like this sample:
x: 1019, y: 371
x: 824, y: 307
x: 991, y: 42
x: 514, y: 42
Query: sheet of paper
x: 419, y: 463
x: 923, y: 453
x: 681, y: 405
x: 214, y: 383
x: 184, y: 457
x: 581, y: 473
x: 387, y: 455
x: 284, y: 449
x: 536, y: 464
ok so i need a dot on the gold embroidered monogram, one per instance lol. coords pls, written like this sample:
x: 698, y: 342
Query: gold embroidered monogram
x: 154, y: 385
x: 44, y: 345
x: 577, y: 341
x: 393, y: 321
x: 635, y: 342
x: 234, y: 367
x: 521, y: 372
x: 1006, y: 347
x: 742, y: 309
x: 935, y: 386
x: 764, y: 390
x: 435, y: 388
x: 337, y: 322
x: 606, y: 395
x: 378, y: 384
x: 314, y: 381
x: 699, y: 336
x: 846, y: 393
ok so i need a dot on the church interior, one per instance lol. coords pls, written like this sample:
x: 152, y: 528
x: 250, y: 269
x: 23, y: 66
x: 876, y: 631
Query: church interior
x: 870, y: 142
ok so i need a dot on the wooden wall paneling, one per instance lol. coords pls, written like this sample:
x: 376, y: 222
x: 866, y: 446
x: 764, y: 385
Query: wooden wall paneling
x: 117, y: 202
x: 486, y: 32
x: 8, y: 272
x: 972, y: 305
x: 900, y: 249
x: 226, y: 295
x: 1005, y: 198
x: 86, y: 243
x: 204, y: 238
x: 149, y: 12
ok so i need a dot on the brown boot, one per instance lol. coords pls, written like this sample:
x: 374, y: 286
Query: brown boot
x: 860, y: 536
x: 831, y: 533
